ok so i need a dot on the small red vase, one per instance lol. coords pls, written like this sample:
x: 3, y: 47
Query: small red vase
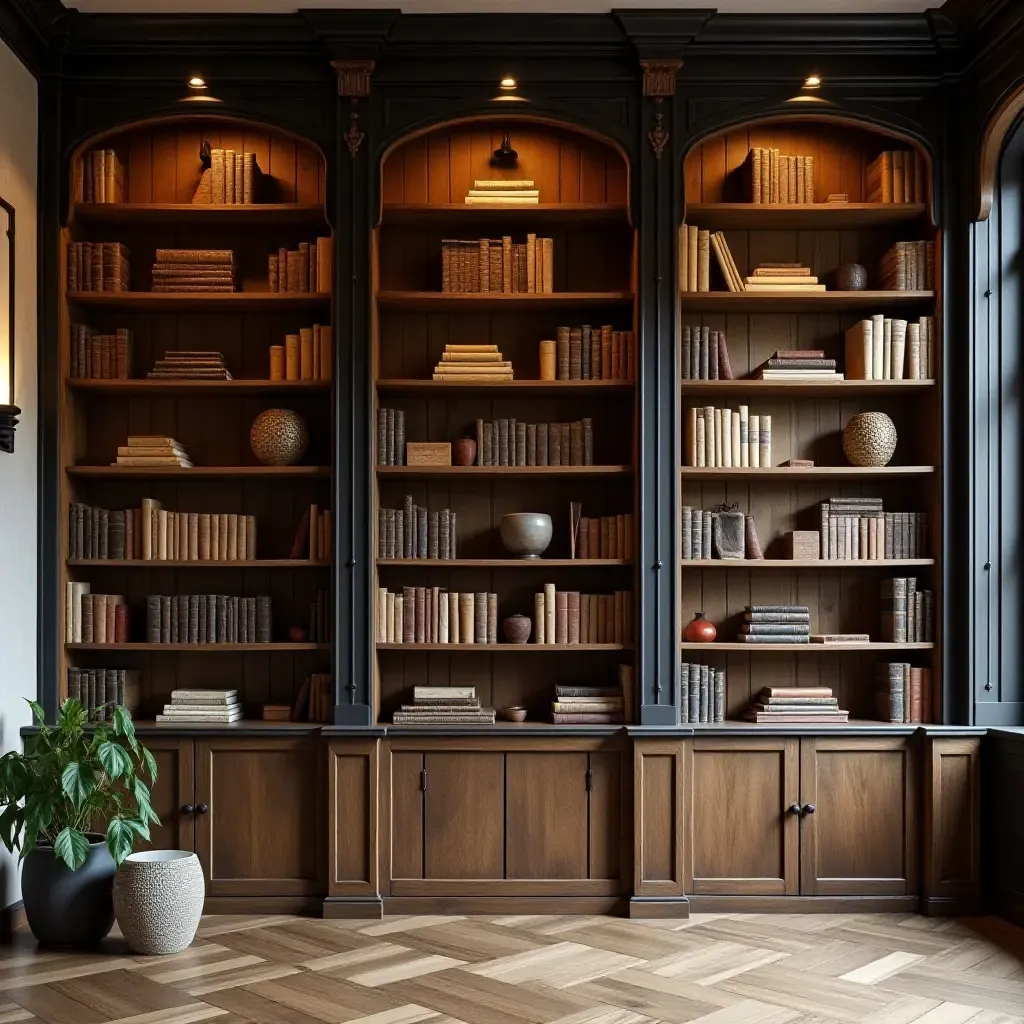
x: 699, y: 630
x: 464, y: 451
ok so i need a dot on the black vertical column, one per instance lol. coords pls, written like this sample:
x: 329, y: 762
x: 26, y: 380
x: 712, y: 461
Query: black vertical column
x: 658, y: 398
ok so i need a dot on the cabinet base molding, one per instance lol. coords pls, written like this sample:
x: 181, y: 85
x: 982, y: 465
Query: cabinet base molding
x: 505, y: 905
x: 306, y: 906
x: 651, y: 907
x: 352, y: 908
x: 950, y: 906
x: 805, y: 904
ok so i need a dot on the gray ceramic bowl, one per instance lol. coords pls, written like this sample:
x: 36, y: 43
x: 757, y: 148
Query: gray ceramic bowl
x: 526, y: 534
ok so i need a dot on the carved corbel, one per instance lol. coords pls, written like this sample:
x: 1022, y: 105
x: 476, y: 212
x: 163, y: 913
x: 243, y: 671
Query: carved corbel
x: 353, y: 82
x: 659, y: 83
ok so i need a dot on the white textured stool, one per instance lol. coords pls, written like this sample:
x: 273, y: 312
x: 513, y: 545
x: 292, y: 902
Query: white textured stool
x: 158, y: 900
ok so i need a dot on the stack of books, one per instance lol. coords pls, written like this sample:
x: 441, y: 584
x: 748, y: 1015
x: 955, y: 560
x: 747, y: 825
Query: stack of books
x: 472, y: 362
x: 194, y: 270
x: 152, y: 450
x: 503, y: 193
x: 190, y: 364
x: 903, y: 693
x: 588, y: 705
x: 102, y: 177
x: 782, y: 277
x: 796, y: 705
x: 444, y: 705
x: 776, y: 624
x: 202, y: 707
x: 798, y: 364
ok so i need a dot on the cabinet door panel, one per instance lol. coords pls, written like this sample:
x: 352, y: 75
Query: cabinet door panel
x: 742, y: 838
x: 606, y: 815
x: 861, y: 838
x: 464, y: 815
x: 406, y: 814
x: 173, y: 790
x: 546, y: 797
x: 262, y: 834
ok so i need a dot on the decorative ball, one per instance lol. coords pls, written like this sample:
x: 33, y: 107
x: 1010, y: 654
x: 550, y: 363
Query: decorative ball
x: 851, y: 277
x: 279, y: 437
x: 869, y: 439
x: 297, y: 634
x: 517, y: 629
x: 699, y: 630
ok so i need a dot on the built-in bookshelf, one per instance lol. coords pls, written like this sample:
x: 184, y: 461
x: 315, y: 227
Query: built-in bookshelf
x: 808, y: 415
x: 159, y: 169
x: 583, y: 207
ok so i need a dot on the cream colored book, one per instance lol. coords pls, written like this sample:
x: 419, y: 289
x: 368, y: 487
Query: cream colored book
x: 468, y: 377
x: 691, y: 258
x: 684, y: 283
x: 703, y: 260
x: 764, y: 279
x: 471, y: 357
x: 491, y: 193
x: 878, y: 347
x: 784, y: 288
x: 502, y: 186
x: 502, y: 200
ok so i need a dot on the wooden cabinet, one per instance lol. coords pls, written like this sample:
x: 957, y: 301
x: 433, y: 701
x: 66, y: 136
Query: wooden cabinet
x: 173, y: 794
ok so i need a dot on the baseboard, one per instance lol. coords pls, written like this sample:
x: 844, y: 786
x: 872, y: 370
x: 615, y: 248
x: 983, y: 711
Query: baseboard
x: 950, y: 906
x: 11, y: 920
x: 505, y: 905
x: 307, y: 906
x: 805, y: 904
x: 651, y: 907
x: 340, y: 908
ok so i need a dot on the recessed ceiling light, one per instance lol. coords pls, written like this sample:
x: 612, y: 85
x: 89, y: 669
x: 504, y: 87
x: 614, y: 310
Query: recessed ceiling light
x: 508, y: 83
x: 195, y: 82
x: 812, y: 82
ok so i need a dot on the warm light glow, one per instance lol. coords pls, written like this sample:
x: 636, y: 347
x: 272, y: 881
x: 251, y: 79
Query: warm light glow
x: 195, y: 82
x: 508, y: 83
x: 812, y: 82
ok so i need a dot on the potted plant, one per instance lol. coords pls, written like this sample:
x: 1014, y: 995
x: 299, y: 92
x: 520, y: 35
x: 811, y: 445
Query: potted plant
x: 73, y: 777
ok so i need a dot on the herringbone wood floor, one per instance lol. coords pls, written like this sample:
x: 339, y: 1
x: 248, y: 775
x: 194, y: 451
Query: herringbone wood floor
x: 713, y: 968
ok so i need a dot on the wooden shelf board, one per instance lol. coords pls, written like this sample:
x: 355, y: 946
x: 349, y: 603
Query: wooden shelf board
x: 805, y: 388
x: 500, y: 472
x: 472, y: 302
x: 201, y: 302
x: 415, y: 213
x: 200, y: 648
x: 211, y: 388
x: 805, y: 648
x: 797, y: 216
x: 519, y: 387
x: 224, y: 472
x: 803, y: 563
x: 504, y: 563
x: 167, y: 563
x: 251, y: 215
x: 795, y: 301
x: 511, y: 648
x: 811, y: 473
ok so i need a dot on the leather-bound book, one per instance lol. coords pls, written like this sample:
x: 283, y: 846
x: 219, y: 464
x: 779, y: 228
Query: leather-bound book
x: 586, y: 341
x: 606, y: 352
x: 594, y: 544
x: 575, y: 354
x: 554, y: 444
x: 433, y: 536
x: 542, y: 444
x: 562, y: 356
x: 467, y: 617
x: 561, y: 617
x: 573, y: 617
x: 521, y: 444
x: 492, y: 618
x: 292, y: 357
x: 480, y: 443
x: 512, y: 455
x: 588, y: 440
x: 548, y: 265
x: 576, y: 443
x: 422, y: 532
x: 549, y: 613
x: 421, y: 615
x: 596, y: 335
x: 502, y: 442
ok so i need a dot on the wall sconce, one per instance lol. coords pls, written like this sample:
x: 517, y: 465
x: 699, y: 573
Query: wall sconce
x: 9, y: 412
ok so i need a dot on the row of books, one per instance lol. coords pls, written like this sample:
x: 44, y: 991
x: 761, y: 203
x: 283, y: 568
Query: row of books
x: 605, y: 537
x: 595, y: 705
x: 151, y: 533
x: 310, y: 268
x: 193, y: 364
x: 231, y: 180
x: 98, y: 267
x: 895, y: 176
x: 152, y: 450
x: 434, y: 615
x: 194, y: 270
x: 701, y: 694
x: 207, y: 619
x: 795, y: 705
x: 498, y: 265
x: 904, y: 693
x: 196, y: 707
x: 321, y: 618
x: 705, y: 354
x: 908, y: 267
x: 907, y: 611
x: 473, y: 362
x: 725, y: 437
x: 444, y: 705
x: 503, y: 193
x: 315, y: 699
x: 308, y: 355
x: 589, y: 353
x: 775, y: 624
x: 773, y: 277
x: 95, y: 618
x: 99, y: 690
x: 510, y: 442
x: 413, y: 531
x: 101, y: 356
x: 884, y: 348
x: 774, y: 178
x: 101, y: 177
x: 391, y: 437
x: 569, y: 617
x: 314, y: 537
x: 858, y: 528
x: 697, y: 534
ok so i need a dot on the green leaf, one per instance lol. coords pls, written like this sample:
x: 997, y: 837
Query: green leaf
x: 115, y: 759
x: 123, y: 726
x: 139, y: 826
x: 10, y: 825
x: 120, y: 838
x: 78, y: 782
x: 38, y: 715
x: 150, y: 764
x: 72, y: 847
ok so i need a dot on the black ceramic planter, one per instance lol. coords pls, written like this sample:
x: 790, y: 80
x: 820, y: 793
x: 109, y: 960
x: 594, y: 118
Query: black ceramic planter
x: 69, y: 908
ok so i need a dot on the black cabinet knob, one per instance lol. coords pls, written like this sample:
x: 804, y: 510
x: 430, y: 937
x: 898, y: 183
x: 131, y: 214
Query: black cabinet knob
x: 203, y: 808
x: 808, y: 808
x: 188, y: 809
x: 794, y: 808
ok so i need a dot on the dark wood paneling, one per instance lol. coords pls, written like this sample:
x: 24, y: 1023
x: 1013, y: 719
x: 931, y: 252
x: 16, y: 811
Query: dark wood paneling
x: 608, y: 828
x: 353, y: 768
x: 742, y: 839
x: 661, y: 783
x: 1003, y: 765
x: 406, y: 814
x: 173, y: 791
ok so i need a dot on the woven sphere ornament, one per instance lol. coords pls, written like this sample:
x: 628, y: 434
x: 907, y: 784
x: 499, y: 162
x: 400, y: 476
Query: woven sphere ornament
x: 869, y: 439
x: 279, y: 437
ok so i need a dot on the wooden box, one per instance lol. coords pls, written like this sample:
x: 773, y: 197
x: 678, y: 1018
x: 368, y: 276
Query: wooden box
x: 428, y: 453
x: 803, y: 544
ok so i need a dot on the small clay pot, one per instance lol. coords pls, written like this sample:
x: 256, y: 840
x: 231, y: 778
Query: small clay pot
x: 699, y: 630
x: 464, y: 451
x: 514, y: 714
x: 297, y: 634
x: 517, y: 629
x: 851, y: 277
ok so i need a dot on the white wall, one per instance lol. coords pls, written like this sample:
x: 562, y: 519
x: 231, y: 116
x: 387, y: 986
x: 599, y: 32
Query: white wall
x: 18, y: 502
